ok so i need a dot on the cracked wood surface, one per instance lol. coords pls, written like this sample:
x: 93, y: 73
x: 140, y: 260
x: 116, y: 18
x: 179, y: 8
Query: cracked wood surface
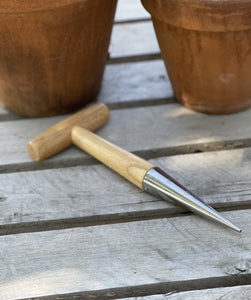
x: 121, y: 255
x: 91, y: 234
x: 227, y: 293
x: 97, y: 192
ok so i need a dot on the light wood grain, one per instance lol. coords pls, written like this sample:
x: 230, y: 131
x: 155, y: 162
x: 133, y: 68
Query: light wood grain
x: 227, y: 293
x: 119, y: 260
x: 163, y: 126
x: 58, y: 137
x: 132, y: 254
x: 95, y: 193
x: 128, y: 165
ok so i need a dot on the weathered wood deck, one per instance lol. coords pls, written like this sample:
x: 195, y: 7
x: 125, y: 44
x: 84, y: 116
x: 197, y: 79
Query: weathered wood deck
x: 72, y: 229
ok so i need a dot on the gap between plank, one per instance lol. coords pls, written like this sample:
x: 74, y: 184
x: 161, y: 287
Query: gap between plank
x: 8, y: 116
x: 154, y: 289
x: 101, y: 220
x: 146, y: 154
x: 141, y: 103
x: 129, y: 21
x: 134, y: 58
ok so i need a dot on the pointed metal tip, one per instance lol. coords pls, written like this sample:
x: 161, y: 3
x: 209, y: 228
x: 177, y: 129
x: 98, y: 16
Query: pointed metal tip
x: 236, y: 228
x: 158, y: 182
x: 219, y: 218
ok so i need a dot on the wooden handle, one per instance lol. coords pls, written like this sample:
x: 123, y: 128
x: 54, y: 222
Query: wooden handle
x: 130, y: 166
x: 58, y: 137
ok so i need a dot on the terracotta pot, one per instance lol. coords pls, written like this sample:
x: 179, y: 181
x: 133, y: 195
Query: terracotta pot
x: 206, y: 46
x: 52, y: 53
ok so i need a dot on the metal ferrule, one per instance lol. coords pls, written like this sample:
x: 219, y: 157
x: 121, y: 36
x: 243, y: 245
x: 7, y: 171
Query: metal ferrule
x: 157, y: 182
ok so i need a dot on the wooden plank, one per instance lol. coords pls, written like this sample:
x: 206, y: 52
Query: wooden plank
x: 226, y: 293
x: 153, y: 297
x: 172, y: 252
x: 166, y: 126
x: 130, y: 10
x: 96, y: 194
x: 141, y: 82
x: 133, y: 39
x: 7, y: 116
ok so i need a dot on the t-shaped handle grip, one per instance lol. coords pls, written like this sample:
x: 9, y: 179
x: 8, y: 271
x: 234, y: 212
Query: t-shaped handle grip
x: 58, y: 137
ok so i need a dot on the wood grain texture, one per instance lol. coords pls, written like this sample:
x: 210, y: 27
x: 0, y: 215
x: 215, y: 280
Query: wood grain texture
x: 128, y: 165
x: 227, y: 293
x: 165, y: 126
x: 109, y: 255
x: 121, y: 255
x: 95, y: 193
x: 141, y: 82
x: 58, y: 137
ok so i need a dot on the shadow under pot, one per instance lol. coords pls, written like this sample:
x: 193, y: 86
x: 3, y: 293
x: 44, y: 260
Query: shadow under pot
x: 206, y: 46
x: 52, y: 53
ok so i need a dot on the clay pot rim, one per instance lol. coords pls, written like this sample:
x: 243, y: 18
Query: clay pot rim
x: 26, y: 6
x: 218, y: 15
x: 211, y: 3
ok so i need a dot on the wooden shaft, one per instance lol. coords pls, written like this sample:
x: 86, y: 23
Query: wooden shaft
x: 58, y: 137
x: 128, y: 165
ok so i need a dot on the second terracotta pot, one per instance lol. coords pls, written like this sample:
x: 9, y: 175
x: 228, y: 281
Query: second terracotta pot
x: 52, y: 53
x: 206, y: 46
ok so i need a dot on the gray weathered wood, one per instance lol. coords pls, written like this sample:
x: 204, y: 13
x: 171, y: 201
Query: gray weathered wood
x: 144, y: 257
x: 120, y: 255
x: 220, y: 178
x: 128, y: 10
x: 135, y: 81
x: 227, y: 293
x: 163, y: 126
x: 133, y: 39
x: 153, y: 297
